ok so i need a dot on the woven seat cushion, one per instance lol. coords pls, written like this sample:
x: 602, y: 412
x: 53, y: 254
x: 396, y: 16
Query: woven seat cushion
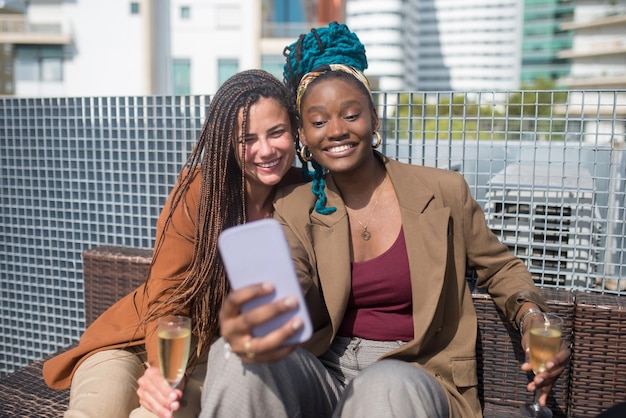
x: 24, y: 393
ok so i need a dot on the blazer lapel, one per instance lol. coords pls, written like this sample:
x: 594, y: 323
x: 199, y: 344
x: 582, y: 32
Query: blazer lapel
x: 331, y: 243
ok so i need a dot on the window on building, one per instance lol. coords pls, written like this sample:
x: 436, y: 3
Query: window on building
x: 51, y: 69
x: 273, y: 64
x: 182, y: 76
x: 225, y: 69
x: 38, y: 63
x: 185, y: 12
x: 134, y: 8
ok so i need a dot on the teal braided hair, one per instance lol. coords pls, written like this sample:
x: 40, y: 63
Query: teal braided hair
x: 334, y: 44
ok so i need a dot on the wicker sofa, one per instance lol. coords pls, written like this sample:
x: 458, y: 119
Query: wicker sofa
x: 596, y: 329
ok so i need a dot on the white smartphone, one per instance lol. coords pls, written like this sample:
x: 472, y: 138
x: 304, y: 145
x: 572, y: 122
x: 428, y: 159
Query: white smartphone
x: 258, y: 252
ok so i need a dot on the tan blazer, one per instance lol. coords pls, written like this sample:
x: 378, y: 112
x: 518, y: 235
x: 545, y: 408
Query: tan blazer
x: 446, y: 234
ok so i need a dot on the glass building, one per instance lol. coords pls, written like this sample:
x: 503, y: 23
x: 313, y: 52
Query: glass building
x: 542, y: 40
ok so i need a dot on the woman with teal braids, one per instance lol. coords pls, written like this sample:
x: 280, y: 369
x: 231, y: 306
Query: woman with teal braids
x: 380, y: 249
x: 315, y: 50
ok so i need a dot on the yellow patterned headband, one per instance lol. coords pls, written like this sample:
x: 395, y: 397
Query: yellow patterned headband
x: 309, y: 77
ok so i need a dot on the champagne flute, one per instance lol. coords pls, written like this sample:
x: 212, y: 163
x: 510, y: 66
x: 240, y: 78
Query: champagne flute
x: 545, y: 334
x: 174, y: 335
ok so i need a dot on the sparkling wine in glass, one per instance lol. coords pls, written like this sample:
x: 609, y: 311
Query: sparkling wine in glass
x: 174, y: 335
x: 544, y: 342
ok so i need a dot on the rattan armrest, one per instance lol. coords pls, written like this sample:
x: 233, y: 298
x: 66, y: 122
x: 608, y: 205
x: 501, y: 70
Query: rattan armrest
x: 599, y: 361
x: 110, y: 273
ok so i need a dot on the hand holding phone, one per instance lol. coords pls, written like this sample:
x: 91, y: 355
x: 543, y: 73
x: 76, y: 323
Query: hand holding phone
x: 258, y: 252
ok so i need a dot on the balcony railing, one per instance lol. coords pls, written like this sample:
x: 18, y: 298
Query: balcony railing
x: 16, y: 29
x: 548, y: 167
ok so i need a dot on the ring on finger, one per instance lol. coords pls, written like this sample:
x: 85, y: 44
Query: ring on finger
x: 249, y: 353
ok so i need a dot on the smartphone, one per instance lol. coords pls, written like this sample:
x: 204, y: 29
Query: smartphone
x: 257, y: 252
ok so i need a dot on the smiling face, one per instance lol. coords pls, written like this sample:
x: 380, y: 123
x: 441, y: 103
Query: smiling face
x: 269, y: 143
x: 337, y: 124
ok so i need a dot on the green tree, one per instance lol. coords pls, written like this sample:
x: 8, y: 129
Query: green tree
x: 421, y: 116
x: 533, y: 113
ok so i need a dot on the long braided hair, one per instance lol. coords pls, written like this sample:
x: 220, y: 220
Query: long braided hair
x: 222, y: 200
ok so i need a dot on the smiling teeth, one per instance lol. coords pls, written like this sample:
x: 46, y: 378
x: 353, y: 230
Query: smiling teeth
x: 269, y: 165
x: 340, y: 148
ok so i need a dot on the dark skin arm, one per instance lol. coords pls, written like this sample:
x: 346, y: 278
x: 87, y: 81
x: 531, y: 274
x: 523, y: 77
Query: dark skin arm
x: 554, y: 368
x: 236, y: 327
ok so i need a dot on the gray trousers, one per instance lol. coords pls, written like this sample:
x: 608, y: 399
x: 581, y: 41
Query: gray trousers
x: 347, y: 381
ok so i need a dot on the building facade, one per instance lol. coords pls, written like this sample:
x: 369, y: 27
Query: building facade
x: 598, y: 52
x: 440, y: 45
x: 380, y: 27
x: 598, y: 62
x: 146, y: 47
x: 544, y: 36
x: 70, y: 48
x: 91, y: 48
x: 212, y: 40
x: 463, y: 45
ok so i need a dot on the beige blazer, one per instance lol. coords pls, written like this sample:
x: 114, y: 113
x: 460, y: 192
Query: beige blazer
x: 446, y: 234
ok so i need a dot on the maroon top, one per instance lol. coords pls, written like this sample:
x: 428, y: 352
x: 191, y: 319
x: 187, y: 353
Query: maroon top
x: 379, y: 307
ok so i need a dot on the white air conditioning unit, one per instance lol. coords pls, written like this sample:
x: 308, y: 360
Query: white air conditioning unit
x: 544, y: 213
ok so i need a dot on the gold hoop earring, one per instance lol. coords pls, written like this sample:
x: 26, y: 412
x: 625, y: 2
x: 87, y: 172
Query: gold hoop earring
x: 379, y: 140
x: 305, y: 154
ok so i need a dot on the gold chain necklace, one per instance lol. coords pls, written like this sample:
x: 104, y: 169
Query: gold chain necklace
x: 366, y: 235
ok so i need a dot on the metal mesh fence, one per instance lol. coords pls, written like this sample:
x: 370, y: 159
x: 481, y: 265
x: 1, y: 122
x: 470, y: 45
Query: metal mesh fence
x: 548, y: 167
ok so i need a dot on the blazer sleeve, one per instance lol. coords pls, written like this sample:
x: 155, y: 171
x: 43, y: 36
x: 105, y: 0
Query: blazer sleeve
x: 499, y: 271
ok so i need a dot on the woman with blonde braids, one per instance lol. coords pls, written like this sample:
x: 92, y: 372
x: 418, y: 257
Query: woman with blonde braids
x: 381, y: 249
x: 244, y: 153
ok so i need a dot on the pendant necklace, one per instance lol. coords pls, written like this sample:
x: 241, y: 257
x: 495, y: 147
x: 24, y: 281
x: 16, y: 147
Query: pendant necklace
x: 366, y: 235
